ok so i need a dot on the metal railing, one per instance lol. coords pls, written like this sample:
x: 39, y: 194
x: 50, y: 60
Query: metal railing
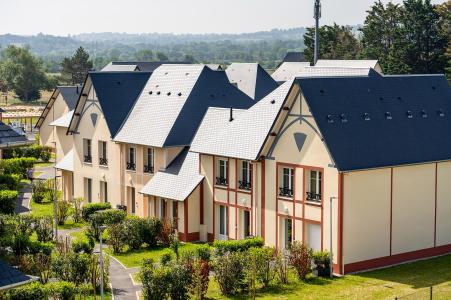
x: 131, y: 166
x: 103, y: 161
x: 221, y: 181
x: 244, y: 185
x: 313, y: 197
x: 438, y: 292
x: 285, y: 192
x: 148, y: 169
x: 87, y: 159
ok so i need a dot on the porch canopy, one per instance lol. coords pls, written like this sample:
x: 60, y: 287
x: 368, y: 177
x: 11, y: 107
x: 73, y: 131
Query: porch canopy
x: 67, y: 163
x: 178, y: 181
x: 64, y: 120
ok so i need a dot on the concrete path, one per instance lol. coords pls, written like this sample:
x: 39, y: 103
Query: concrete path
x: 48, y: 172
x: 23, y: 202
x: 120, y: 278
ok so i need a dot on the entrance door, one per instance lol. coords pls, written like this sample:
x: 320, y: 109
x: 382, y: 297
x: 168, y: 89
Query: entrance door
x: 314, y: 236
x: 246, y: 223
x: 288, y: 226
x: 223, y: 214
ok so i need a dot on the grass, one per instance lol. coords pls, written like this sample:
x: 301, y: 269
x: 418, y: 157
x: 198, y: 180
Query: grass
x: 41, y: 209
x: 409, y: 280
x: 70, y: 224
x: 134, y: 258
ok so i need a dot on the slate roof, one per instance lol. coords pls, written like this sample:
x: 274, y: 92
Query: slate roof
x: 179, y: 179
x: 9, y: 137
x: 120, y: 68
x: 356, y: 63
x: 70, y: 95
x: 380, y: 121
x: 173, y: 103
x: 288, y: 70
x: 63, y: 121
x: 294, y: 57
x: 143, y: 66
x: 245, y: 136
x: 67, y: 162
x: 11, y: 277
x: 116, y: 92
x: 252, y: 79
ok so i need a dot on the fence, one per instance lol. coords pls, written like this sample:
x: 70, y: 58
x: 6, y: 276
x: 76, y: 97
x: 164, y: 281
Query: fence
x: 439, y: 292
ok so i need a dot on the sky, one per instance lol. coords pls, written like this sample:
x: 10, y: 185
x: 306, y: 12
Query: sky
x: 63, y: 17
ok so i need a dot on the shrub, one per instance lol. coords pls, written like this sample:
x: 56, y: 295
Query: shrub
x: 165, y: 258
x: 44, y: 228
x: 112, y: 216
x: 46, y: 153
x: 229, y: 272
x: 175, y: 245
x: 33, y: 291
x: 73, y: 267
x: 9, y: 181
x: 151, y: 231
x: 200, y: 278
x: 301, y: 259
x: 17, y: 165
x: 40, y: 191
x: 116, y: 237
x: 76, y: 205
x: 35, y: 247
x: 322, y: 262
x: 83, y: 243
x: 62, y: 290
x: 237, y: 245
x: 91, y: 208
x: 134, y: 232
x: 263, y: 258
x: 8, y: 200
x: 155, y: 281
x: 63, y: 211
x: 180, y: 280
x: 167, y: 228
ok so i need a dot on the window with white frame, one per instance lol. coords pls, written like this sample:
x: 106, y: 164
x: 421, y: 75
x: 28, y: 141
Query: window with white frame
x: 223, y: 214
x: 131, y: 158
x: 149, y: 160
x: 221, y: 178
x: 314, y: 189
x: 245, y: 182
x: 286, y: 188
x: 87, y: 151
x: 103, y: 191
x: 103, y: 161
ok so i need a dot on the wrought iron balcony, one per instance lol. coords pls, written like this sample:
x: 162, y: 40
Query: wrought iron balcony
x: 313, y: 197
x: 103, y: 161
x: 131, y: 166
x: 88, y: 159
x: 244, y: 185
x: 285, y: 192
x: 221, y: 181
x: 148, y: 169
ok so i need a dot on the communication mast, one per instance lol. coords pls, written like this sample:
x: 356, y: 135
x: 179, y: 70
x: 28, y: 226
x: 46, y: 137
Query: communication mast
x: 317, y: 16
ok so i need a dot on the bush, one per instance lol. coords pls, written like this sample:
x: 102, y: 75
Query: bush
x: 77, y: 203
x: 151, y: 231
x: 134, y: 232
x: 63, y: 211
x: 322, y: 262
x: 200, y: 278
x: 9, y: 181
x: 73, y: 267
x: 46, y: 154
x: 165, y: 258
x: 35, y: 247
x: 91, y: 208
x: 180, y: 280
x: 263, y: 259
x: 301, y: 259
x: 116, y: 237
x: 8, y: 200
x: 35, y: 151
x: 44, y: 228
x: 112, y: 216
x: 223, y: 247
x: 229, y: 272
x: 61, y: 290
x: 40, y: 191
x: 33, y: 291
x: 155, y: 281
x: 167, y: 228
x: 17, y: 165
x: 83, y: 243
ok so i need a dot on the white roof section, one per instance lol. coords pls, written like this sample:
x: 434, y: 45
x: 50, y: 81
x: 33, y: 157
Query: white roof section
x: 119, y: 68
x: 311, y: 72
x: 346, y: 63
x: 63, y: 121
x: 244, y: 75
x: 154, y: 113
x: 178, y: 181
x: 245, y: 135
x: 67, y: 163
x: 289, y: 70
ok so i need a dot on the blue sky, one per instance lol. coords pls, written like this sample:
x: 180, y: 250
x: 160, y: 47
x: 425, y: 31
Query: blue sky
x: 63, y: 17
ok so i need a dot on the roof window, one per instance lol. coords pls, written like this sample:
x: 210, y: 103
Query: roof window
x: 424, y: 114
x: 150, y: 92
x: 330, y: 119
x: 158, y: 93
x: 441, y: 113
x: 343, y: 118
x: 273, y: 101
x: 169, y: 94
x: 366, y: 116
x: 409, y: 114
x: 179, y: 94
x: 388, y: 115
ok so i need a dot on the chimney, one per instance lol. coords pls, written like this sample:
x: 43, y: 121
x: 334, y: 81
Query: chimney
x: 231, y: 114
x: 317, y: 16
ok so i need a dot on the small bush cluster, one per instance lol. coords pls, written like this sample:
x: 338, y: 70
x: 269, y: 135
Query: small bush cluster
x: 8, y: 200
x: 91, y: 208
x: 237, y: 245
x: 61, y: 290
x: 43, y: 191
x: 83, y: 243
x: 9, y: 181
x: 38, y: 152
x: 17, y: 166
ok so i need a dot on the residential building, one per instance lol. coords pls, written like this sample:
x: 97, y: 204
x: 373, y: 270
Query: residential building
x: 9, y: 137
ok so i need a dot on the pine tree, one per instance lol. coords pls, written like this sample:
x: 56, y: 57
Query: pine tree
x: 75, y: 69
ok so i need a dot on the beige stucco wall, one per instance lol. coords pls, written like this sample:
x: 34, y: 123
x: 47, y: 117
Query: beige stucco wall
x: 443, y: 203
x: 46, y: 132
x: 64, y: 142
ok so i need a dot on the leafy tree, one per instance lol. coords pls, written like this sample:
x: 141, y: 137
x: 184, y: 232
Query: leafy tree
x: 75, y: 68
x: 144, y: 55
x: 23, y: 73
x: 444, y: 11
x: 162, y: 57
x: 336, y: 42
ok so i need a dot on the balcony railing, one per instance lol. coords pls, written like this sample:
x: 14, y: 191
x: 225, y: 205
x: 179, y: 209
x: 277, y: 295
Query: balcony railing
x: 285, y: 192
x: 221, y: 181
x: 148, y: 169
x: 103, y: 161
x: 131, y: 166
x: 244, y: 185
x: 87, y: 159
x: 313, y: 197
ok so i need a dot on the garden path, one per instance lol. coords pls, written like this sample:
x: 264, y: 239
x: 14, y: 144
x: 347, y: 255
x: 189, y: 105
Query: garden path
x: 23, y: 201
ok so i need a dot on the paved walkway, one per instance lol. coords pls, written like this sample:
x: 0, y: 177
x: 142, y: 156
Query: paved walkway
x: 123, y: 287
x: 23, y: 202
x: 48, y: 172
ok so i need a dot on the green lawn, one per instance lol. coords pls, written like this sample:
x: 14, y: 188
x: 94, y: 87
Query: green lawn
x: 41, y: 209
x: 134, y: 258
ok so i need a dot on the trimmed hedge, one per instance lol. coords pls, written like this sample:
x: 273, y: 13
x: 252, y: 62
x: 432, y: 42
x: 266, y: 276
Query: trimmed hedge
x: 112, y: 216
x: 8, y: 200
x: 91, y: 208
x: 39, y: 152
x: 83, y: 243
x: 17, y: 165
x: 9, y: 181
x: 33, y: 291
x: 238, y: 245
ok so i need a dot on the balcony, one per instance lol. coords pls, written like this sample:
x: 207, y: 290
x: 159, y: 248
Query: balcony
x: 313, y: 197
x: 244, y: 185
x: 285, y: 192
x: 103, y: 161
x: 148, y: 169
x: 131, y: 166
x: 221, y: 181
x: 87, y: 159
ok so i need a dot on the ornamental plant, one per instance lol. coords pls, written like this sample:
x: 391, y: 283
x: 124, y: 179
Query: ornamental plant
x: 301, y: 259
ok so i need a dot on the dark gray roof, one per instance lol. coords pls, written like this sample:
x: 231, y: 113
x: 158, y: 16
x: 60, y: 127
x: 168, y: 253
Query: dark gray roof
x: 379, y: 121
x: 146, y: 66
x: 117, y: 92
x: 11, y: 277
x: 9, y: 136
x: 294, y: 57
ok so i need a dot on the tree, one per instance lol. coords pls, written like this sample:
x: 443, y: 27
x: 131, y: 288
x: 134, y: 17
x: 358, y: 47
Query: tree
x: 75, y: 68
x: 23, y: 73
x: 162, y: 57
x: 335, y: 42
x: 144, y: 55
x: 444, y: 11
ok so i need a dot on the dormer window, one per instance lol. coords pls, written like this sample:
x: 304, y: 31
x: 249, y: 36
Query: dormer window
x: 221, y: 177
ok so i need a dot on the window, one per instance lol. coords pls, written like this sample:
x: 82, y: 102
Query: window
x: 87, y: 151
x: 314, y: 192
x: 245, y: 182
x: 163, y: 208
x: 88, y: 189
x: 222, y: 221
x: 131, y: 159
x: 247, y: 223
x: 149, y: 161
x: 175, y: 213
x: 103, y: 161
x: 132, y: 199
x: 288, y: 226
x: 103, y: 191
x: 314, y: 236
x: 286, y: 190
x: 221, y: 179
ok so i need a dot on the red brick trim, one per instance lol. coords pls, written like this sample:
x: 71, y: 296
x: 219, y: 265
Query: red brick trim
x: 396, y: 259
x: 192, y: 237
x: 185, y: 216
x: 210, y: 237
